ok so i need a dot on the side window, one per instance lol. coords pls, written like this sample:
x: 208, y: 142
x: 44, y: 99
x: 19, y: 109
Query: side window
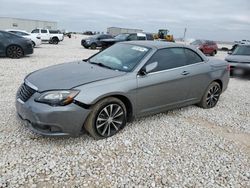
x: 168, y: 58
x: 102, y: 37
x: 43, y: 31
x: 141, y: 38
x: 132, y: 37
x: 24, y: 34
x: 192, y: 57
x: 35, y: 31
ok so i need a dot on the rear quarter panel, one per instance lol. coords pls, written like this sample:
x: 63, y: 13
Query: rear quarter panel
x: 219, y: 71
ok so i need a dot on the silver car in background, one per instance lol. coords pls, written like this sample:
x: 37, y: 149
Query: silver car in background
x: 239, y: 60
x: 127, y: 80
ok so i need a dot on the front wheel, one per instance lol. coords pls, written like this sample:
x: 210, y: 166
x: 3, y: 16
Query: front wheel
x: 107, y: 118
x: 211, y: 96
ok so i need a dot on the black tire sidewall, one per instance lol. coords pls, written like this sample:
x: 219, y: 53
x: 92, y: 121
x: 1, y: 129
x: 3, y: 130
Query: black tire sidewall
x: 203, y: 102
x: 90, y: 124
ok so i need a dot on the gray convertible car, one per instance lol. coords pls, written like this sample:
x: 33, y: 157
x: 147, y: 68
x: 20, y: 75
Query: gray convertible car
x: 127, y: 80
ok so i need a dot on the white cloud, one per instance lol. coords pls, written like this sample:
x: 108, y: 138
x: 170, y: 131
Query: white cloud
x: 204, y: 19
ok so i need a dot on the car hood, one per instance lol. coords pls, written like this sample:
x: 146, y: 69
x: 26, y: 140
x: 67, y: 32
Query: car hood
x: 69, y: 75
x: 238, y: 58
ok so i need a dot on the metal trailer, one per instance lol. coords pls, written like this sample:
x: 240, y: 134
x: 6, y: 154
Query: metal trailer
x: 117, y: 30
x: 25, y: 24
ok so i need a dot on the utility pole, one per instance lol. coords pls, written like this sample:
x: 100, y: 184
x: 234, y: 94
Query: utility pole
x: 184, y: 36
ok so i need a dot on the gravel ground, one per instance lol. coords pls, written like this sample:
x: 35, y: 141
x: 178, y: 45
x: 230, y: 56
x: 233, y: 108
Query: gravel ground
x: 188, y: 147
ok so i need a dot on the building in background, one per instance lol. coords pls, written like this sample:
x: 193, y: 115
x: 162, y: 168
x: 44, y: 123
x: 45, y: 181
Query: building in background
x: 118, y: 30
x: 25, y: 24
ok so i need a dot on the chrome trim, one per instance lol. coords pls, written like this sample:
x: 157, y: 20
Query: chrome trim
x: 30, y: 85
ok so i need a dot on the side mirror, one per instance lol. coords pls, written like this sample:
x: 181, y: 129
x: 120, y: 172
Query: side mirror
x: 229, y: 52
x: 151, y: 66
x: 148, y: 68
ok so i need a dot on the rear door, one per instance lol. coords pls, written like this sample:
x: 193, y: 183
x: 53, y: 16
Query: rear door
x: 197, y: 76
x: 45, y: 35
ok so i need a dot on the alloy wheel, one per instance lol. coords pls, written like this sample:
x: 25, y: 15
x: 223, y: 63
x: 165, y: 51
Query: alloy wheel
x: 213, y: 96
x: 110, y: 120
x: 14, y: 52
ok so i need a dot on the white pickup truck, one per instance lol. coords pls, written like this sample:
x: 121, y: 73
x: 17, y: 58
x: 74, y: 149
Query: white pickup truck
x: 51, y: 36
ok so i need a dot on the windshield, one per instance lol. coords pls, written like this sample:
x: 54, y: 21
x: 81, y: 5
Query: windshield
x: 122, y: 57
x: 196, y: 42
x: 241, y: 50
x: 122, y: 36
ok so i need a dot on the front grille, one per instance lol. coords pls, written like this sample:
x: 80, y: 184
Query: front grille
x: 25, y: 92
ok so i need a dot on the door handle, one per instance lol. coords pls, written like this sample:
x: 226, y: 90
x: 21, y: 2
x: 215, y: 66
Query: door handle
x: 185, y: 73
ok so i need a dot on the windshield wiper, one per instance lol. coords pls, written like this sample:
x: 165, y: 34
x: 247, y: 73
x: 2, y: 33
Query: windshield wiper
x: 100, y: 64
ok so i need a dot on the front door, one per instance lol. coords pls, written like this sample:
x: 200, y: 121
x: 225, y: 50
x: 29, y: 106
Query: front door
x: 167, y: 85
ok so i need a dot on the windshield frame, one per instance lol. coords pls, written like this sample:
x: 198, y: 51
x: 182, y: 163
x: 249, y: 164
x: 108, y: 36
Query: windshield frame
x: 111, y: 68
x: 241, y: 46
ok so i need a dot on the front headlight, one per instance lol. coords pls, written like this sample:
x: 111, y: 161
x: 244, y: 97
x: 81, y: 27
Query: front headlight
x: 57, y: 98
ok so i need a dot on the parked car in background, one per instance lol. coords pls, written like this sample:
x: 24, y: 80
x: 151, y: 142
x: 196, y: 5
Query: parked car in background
x: 35, y: 38
x: 94, y: 41
x: 88, y: 33
x: 239, y: 60
x: 206, y: 46
x: 14, y: 46
x: 129, y: 79
x: 126, y: 37
x: 51, y: 36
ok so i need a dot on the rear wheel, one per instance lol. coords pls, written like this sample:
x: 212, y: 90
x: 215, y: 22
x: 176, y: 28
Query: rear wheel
x: 211, y: 96
x: 107, y: 118
x: 213, y: 53
x: 93, y: 46
x: 55, y: 40
x: 14, y: 52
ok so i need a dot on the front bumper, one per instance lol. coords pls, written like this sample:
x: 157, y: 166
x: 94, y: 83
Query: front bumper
x: 52, y: 121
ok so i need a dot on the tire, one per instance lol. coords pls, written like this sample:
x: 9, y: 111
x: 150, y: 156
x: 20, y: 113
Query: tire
x: 33, y: 44
x: 55, y: 40
x: 14, y: 52
x: 93, y: 46
x: 211, y: 96
x: 100, y: 124
x: 213, y: 53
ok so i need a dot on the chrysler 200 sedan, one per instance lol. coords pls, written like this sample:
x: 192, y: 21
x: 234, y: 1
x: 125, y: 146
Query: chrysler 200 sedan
x: 127, y: 80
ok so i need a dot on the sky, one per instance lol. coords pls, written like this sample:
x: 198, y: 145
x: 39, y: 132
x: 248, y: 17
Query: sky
x: 224, y: 20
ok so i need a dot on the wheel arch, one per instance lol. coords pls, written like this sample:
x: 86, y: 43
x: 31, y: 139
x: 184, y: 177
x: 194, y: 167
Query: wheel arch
x: 219, y: 82
x: 126, y: 101
x: 55, y: 37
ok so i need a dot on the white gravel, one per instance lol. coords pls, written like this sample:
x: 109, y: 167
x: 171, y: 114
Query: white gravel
x: 188, y: 147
